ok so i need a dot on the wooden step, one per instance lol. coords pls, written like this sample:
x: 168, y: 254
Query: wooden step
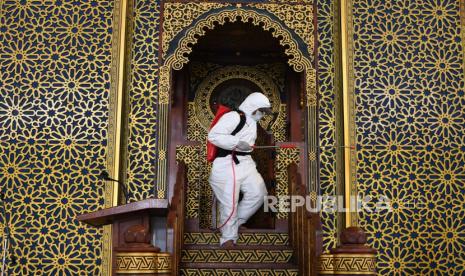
x: 246, y: 238
x: 235, y: 269
x: 236, y: 254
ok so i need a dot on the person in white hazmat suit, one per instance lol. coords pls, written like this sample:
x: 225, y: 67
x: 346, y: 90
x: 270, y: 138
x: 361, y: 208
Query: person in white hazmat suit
x: 242, y: 168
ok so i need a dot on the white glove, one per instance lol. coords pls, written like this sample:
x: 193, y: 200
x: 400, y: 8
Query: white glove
x: 243, y: 146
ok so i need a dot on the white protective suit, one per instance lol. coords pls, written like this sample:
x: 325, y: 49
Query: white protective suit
x: 248, y: 180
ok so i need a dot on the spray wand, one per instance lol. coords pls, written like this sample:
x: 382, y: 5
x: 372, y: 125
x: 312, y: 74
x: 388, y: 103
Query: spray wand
x: 286, y: 146
x: 290, y: 146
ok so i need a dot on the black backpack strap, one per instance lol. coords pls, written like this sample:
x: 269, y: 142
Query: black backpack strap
x: 241, y: 122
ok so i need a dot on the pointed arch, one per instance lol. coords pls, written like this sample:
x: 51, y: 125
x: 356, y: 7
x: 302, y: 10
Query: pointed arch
x: 181, y: 45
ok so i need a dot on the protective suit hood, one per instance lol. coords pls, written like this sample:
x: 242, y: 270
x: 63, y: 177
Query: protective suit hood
x: 253, y: 102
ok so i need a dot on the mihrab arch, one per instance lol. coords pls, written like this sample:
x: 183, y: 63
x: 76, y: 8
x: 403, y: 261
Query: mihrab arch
x: 298, y: 59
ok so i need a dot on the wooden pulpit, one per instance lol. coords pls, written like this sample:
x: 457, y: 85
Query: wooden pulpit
x: 133, y: 252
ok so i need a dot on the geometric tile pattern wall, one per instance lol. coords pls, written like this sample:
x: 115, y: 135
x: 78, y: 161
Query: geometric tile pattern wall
x: 410, y: 122
x: 55, y: 59
x: 142, y: 100
x: 327, y: 115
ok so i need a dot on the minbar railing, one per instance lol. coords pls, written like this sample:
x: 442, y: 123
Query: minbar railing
x: 175, y: 219
x: 351, y: 257
x: 304, y: 227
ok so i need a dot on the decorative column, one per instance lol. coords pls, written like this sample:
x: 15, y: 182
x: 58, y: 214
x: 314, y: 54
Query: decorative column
x: 351, y: 257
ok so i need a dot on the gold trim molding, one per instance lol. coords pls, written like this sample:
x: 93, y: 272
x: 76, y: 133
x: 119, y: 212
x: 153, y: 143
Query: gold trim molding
x: 143, y: 263
x: 114, y: 123
x: 350, y: 190
x: 347, y: 264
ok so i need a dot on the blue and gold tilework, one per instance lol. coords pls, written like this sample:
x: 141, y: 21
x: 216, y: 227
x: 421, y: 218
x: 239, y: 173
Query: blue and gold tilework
x: 328, y: 108
x: 54, y: 88
x: 142, y: 100
x: 409, y: 119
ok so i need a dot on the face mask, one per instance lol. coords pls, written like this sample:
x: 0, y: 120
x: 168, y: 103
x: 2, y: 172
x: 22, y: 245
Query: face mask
x: 258, y: 115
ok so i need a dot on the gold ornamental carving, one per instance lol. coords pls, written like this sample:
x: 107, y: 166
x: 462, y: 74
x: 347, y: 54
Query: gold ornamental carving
x: 192, y: 157
x: 244, y: 256
x: 296, y: 18
x: 177, y: 16
x: 164, y: 87
x: 209, y: 238
x: 284, y: 158
x: 143, y: 263
x: 200, y: 70
x: 296, y: 58
x: 278, y: 128
x: 325, y: 264
x: 195, y: 130
x: 206, y: 76
x: 199, y: 194
x: 347, y: 264
x: 204, y: 92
